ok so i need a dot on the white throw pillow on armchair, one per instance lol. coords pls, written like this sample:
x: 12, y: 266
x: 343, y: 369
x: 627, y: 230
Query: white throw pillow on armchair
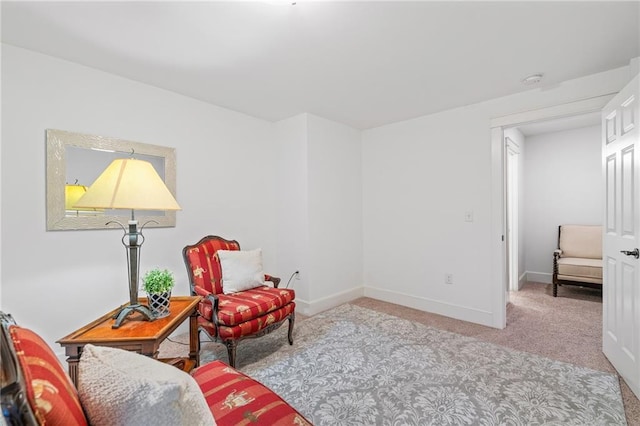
x: 241, y: 270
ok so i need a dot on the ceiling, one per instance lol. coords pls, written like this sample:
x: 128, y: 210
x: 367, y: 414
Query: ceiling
x: 361, y: 63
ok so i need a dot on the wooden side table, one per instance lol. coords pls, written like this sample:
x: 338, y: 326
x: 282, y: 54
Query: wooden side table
x: 135, y: 334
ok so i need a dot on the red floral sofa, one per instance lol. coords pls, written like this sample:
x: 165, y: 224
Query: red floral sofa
x: 36, y: 389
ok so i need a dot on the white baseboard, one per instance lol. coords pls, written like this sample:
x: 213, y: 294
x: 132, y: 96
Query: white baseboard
x: 316, y: 306
x: 522, y: 280
x: 539, y: 277
x: 422, y: 303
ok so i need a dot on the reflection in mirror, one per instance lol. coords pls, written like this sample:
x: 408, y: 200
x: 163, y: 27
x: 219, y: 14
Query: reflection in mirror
x: 75, y: 160
x: 72, y: 193
x: 83, y: 168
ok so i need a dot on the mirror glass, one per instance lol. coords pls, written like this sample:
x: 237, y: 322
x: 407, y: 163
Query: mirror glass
x: 75, y: 160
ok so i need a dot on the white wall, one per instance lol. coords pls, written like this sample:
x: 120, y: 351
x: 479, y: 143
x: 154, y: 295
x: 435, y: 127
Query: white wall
x: 335, y: 213
x: 57, y: 281
x: 301, y: 202
x: 320, y: 210
x: 563, y: 184
x: 419, y: 177
x: 292, y: 204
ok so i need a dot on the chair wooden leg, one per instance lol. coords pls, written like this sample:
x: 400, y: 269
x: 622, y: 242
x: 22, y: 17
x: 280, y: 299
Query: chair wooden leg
x: 292, y: 319
x: 231, y: 351
x: 555, y: 289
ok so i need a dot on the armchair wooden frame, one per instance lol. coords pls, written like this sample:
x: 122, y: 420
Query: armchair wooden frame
x: 577, y: 280
x: 212, y: 327
x: 558, y: 282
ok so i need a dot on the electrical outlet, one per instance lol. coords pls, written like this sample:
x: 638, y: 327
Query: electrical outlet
x: 448, y: 278
x: 298, y: 275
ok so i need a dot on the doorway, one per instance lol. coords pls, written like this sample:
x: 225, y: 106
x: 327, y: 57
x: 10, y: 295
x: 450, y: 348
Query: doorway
x: 499, y: 270
x: 621, y: 171
x: 553, y: 174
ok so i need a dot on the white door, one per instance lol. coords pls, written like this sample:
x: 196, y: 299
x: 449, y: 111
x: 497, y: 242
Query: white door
x: 512, y: 152
x: 621, y: 234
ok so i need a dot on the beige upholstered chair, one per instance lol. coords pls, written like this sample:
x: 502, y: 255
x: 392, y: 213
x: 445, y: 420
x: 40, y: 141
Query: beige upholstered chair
x: 578, y: 259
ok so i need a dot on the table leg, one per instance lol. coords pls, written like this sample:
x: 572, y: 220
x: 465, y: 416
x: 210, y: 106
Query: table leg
x: 194, y: 339
x: 73, y: 369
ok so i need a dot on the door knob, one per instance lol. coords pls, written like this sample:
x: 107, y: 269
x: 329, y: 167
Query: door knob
x: 635, y: 253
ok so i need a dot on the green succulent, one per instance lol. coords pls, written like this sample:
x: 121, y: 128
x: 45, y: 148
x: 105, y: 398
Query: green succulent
x: 158, y: 281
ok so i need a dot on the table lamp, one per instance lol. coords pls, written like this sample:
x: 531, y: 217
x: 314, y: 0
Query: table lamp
x: 130, y: 184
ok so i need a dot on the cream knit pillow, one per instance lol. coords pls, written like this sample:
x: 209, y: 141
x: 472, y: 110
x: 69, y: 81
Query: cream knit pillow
x: 241, y: 270
x: 117, y: 387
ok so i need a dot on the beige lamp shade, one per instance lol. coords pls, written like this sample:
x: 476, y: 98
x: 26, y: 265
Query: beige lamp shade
x: 128, y: 184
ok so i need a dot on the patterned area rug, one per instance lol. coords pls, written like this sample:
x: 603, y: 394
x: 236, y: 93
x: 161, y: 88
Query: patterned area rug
x: 355, y: 366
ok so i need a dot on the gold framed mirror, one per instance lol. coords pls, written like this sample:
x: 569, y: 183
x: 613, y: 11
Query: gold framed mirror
x: 75, y: 160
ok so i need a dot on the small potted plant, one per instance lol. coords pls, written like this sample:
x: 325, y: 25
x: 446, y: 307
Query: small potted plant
x: 157, y: 284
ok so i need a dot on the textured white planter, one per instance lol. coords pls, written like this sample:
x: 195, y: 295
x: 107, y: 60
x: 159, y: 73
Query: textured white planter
x: 159, y: 304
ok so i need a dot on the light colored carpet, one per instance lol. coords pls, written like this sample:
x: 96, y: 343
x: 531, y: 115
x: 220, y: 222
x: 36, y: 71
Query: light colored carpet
x: 355, y: 366
x: 567, y: 328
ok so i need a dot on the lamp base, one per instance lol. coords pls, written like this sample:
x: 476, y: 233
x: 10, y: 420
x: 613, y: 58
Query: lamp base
x: 129, y: 309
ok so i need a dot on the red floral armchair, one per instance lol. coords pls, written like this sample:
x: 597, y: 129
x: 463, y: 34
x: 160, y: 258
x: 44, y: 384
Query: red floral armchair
x: 231, y: 317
